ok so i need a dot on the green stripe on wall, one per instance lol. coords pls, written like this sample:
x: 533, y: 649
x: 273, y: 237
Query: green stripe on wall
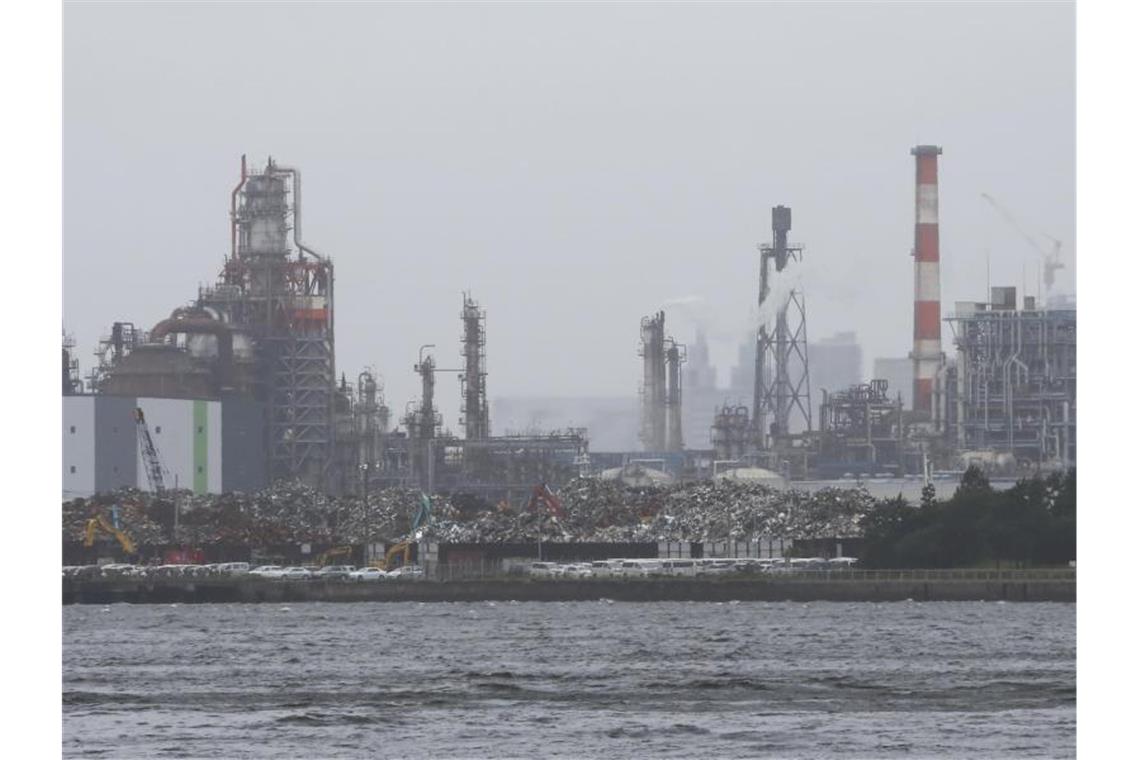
x: 201, y: 448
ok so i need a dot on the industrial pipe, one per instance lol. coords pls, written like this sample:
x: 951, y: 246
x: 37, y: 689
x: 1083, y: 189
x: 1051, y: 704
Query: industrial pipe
x: 219, y: 330
x: 301, y: 247
x: 233, y: 209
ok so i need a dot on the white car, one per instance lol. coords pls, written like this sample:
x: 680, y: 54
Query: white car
x: 641, y: 568
x: 542, y: 569
x: 266, y: 571
x: 294, y: 574
x: 406, y: 571
x: 604, y: 568
x: 578, y: 571
x: 367, y: 574
x: 718, y: 566
x: 233, y: 568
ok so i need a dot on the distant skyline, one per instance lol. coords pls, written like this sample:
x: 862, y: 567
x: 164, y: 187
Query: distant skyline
x: 574, y: 166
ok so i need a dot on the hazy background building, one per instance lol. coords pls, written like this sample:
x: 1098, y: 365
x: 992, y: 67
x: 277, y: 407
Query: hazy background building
x: 836, y: 363
x: 899, y: 374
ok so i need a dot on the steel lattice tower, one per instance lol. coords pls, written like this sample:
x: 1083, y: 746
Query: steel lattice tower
x: 782, y: 385
x: 473, y: 380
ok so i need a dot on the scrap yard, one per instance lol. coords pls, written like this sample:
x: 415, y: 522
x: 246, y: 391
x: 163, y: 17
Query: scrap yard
x: 226, y: 432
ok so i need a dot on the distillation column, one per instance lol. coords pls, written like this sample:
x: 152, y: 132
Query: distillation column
x: 653, y: 382
x: 675, y: 356
x: 473, y: 380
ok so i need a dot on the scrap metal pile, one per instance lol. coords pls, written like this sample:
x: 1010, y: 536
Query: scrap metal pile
x: 285, y: 513
x: 595, y: 510
x: 606, y: 511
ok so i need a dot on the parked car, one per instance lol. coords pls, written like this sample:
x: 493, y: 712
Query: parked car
x: 605, y: 568
x: 710, y: 566
x: 406, y: 571
x: 233, y: 568
x: 686, y: 567
x: 641, y: 568
x: 367, y: 574
x: 334, y: 573
x: 294, y: 574
x: 266, y: 571
x: 542, y: 569
x: 578, y: 571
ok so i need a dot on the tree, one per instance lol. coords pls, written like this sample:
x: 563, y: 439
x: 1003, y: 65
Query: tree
x: 928, y: 496
x: 883, y: 527
x: 1018, y: 520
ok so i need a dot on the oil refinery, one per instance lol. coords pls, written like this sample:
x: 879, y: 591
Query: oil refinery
x: 240, y: 389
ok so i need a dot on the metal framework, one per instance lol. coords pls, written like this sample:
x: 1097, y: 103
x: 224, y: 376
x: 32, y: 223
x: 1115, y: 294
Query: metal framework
x: 112, y: 349
x: 861, y: 426
x: 281, y: 297
x: 72, y: 384
x: 473, y: 380
x: 732, y: 433
x: 1015, y: 382
x: 782, y: 384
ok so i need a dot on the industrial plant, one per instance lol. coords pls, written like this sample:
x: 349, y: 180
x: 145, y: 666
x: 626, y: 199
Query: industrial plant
x: 239, y: 388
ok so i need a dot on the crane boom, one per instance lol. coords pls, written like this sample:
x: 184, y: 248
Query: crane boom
x: 1052, y: 258
x: 151, y: 463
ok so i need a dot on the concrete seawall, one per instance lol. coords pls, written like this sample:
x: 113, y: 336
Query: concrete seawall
x: 524, y: 590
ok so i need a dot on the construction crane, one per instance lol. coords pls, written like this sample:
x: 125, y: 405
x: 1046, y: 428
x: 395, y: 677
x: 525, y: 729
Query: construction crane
x: 151, y: 463
x: 1052, y: 259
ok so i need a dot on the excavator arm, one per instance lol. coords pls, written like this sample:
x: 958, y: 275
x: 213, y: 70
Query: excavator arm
x: 404, y: 548
x: 545, y: 498
x: 99, y: 524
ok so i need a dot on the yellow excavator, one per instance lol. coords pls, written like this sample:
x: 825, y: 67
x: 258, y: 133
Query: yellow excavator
x: 337, y: 552
x: 403, y: 550
x: 97, y: 524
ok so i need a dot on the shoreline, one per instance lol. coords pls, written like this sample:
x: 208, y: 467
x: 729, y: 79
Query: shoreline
x: 247, y: 591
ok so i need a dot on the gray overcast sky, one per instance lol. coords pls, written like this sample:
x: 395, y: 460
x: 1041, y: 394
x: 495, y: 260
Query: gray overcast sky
x: 575, y: 166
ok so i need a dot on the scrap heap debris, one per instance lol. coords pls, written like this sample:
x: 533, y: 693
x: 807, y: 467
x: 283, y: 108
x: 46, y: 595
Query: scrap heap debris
x: 595, y: 510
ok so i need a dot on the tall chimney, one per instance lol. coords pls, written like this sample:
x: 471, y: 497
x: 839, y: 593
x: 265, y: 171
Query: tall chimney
x: 927, y: 354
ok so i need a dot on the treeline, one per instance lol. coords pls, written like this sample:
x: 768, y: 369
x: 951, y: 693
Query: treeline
x: 1032, y: 524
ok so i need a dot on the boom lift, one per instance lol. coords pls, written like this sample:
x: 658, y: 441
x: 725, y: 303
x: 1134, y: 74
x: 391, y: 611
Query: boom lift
x: 99, y: 523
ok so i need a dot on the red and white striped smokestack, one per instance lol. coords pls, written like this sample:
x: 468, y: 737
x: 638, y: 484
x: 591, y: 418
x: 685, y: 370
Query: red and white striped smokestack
x: 927, y: 354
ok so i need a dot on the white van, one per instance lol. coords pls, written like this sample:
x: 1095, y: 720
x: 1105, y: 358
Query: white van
x: 233, y: 568
x: 641, y: 568
x: 686, y: 567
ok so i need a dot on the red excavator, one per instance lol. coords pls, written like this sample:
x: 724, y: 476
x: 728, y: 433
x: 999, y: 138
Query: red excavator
x: 545, y: 498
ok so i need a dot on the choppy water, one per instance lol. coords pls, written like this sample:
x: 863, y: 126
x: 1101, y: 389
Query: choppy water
x: 585, y: 679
